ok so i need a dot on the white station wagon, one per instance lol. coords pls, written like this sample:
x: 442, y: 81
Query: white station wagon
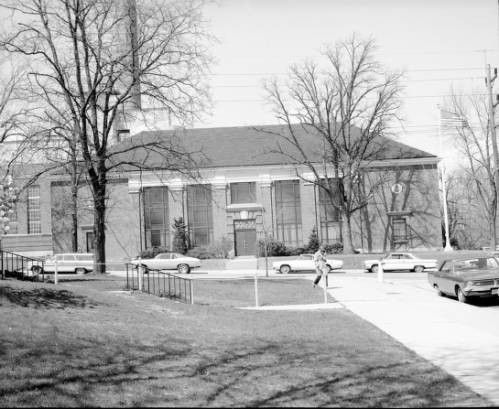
x: 79, y: 263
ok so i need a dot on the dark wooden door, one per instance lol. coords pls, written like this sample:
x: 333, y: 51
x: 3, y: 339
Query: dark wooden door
x: 246, y: 242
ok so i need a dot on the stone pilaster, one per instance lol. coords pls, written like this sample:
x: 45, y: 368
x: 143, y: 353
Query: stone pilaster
x: 219, y: 203
x: 308, y: 209
x: 175, y: 206
x: 264, y: 197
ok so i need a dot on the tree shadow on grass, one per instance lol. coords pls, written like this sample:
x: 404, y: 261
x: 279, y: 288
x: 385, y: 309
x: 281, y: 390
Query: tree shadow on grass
x: 45, y: 298
x: 266, y: 374
x: 269, y: 377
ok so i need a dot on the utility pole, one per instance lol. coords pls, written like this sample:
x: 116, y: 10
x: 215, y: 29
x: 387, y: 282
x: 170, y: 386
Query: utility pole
x: 489, y: 81
x: 448, y: 246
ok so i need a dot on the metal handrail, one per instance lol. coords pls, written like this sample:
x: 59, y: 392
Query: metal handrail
x: 15, y: 263
x: 159, y: 283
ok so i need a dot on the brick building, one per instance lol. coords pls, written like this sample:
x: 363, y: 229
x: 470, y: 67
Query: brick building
x: 244, y: 188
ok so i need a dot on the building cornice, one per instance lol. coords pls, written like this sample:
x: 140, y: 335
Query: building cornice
x: 264, y: 175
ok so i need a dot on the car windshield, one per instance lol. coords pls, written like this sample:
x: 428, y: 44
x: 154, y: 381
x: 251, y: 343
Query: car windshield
x: 479, y: 263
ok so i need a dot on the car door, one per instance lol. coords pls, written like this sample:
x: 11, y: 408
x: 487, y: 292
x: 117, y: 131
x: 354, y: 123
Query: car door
x: 446, y: 278
x: 304, y: 262
x: 390, y: 262
x: 435, y: 277
x: 165, y: 261
x: 175, y: 260
x: 85, y: 261
x: 67, y: 264
x: 406, y: 262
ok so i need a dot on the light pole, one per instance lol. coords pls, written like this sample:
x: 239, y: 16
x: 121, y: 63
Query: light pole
x: 265, y: 251
x: 447, y: 247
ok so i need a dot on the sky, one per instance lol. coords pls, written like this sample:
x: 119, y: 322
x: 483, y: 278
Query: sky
x: 437, y: 43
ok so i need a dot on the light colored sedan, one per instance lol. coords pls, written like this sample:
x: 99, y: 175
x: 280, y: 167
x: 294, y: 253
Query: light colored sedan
x: 400, y: 261
x: 304, y: 262
x: 168, y: 261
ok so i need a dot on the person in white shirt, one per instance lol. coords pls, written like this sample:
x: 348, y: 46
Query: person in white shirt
x: 320, y: 265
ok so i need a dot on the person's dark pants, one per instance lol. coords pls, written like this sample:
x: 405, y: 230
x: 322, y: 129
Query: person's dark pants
x: 318, y: 278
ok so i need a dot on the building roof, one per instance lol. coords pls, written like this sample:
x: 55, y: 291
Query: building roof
x: 258, y: 146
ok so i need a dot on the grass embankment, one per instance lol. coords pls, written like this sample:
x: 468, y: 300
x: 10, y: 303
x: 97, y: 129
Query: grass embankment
x: 77, y: 344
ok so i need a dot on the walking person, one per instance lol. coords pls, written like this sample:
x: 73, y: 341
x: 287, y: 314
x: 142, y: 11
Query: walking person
x: 320, y: 265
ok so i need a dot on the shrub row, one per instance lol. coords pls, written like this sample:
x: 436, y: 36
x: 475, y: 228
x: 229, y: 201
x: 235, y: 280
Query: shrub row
x: 276, y: 248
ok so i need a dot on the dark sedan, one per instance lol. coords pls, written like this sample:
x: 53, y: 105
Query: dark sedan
x: 466, y: 278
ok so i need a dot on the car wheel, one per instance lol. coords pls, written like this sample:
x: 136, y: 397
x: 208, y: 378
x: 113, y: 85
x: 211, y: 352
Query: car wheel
x: 460, y: 295
x: 440, y: 293
x: 375, y: 268
x: 419, y: 269
x: 285, y: 269
x: 183, y: 269
x: 37, y: 269
x: 80, y: 271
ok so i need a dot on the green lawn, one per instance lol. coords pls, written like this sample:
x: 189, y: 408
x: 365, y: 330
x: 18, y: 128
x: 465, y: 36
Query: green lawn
x: 81, y: 344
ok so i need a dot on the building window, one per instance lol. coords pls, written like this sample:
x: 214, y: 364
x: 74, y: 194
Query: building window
x: 329, y: 217
x: 199, y: 214
x: 288, y: 212
x: 399, y: 230
x: 123, y: 134
x: 90, y: 236
x: 242, y: 193
x: 33, y: 207
x: 156, y: 227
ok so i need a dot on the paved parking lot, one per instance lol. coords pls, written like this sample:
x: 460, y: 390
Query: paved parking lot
x: 463, y: 339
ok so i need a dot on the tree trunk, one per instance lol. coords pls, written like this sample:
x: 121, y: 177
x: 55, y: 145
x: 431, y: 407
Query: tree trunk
x: 74, y: 215
x: 367, y: 230
x: 493, y: 221
x: 347, y: 237
x: 99, y: 229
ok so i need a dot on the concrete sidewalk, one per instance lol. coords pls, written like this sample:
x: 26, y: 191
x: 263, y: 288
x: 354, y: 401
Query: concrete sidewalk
x: 462, y: 339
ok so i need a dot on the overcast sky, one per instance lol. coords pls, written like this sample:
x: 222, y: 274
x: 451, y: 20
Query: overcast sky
x: 438, y: 43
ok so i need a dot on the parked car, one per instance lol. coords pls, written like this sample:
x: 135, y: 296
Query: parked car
x: 31, y: 269
x: 168, y: 261
x: 400, y: 261
x: 466, y: 278
x: 304, y: 262
x: 79, y: 263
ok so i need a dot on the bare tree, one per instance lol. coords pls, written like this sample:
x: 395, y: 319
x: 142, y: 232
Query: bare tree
x: 466, y: 214
x: 11, y: 113
x: 346, y: 105
x: 99, y: 61
x: 473, y: 139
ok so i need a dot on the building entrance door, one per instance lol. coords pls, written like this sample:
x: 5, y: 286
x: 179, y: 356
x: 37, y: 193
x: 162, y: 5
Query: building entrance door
x: 245, y: 237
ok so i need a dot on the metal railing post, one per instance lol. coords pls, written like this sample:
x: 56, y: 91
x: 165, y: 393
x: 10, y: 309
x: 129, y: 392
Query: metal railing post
x: 126, y: 267
x: 56, y: 278
x: 140, y: 274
